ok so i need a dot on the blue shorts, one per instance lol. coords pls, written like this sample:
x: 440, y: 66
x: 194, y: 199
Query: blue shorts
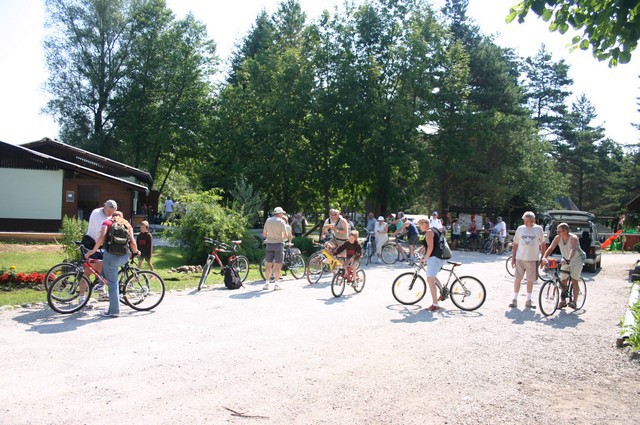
x: 275, y: 253
x: 434, y: 264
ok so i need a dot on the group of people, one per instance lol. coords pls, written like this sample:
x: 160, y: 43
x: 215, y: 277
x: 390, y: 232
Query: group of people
x: 97, y: 243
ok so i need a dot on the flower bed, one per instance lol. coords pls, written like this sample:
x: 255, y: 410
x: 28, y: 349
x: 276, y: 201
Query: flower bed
x: 10, y: 279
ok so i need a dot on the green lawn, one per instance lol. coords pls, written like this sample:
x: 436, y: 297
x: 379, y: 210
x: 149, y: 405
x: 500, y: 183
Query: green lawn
x: 164, y: 258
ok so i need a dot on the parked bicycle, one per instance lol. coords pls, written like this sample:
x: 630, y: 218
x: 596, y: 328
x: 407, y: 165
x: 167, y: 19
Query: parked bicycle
x: 492, y: 244
x: 238, y: 262
x: 466, y: 292
x: 293, y: 261
x: 321, y: 262
x: 141, y: 290
x: 368, y: 247
x: 61, y: 268
x: 345, y: 276
x: 542, y: 274
x: 398, y: 250
x: 553, y: 292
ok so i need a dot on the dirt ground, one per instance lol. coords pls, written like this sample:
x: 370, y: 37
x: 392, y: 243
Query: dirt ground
x: 301, y: 356
x: 29, y: 248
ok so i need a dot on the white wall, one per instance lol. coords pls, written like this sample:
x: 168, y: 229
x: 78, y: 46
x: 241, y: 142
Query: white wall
x: 31, y: 194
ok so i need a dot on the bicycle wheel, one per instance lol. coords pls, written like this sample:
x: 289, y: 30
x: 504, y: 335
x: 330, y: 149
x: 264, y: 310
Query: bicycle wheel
x: 57, y: 270
x: 390, y: 253
x: 467, y: 293
x: 241, y: 265
x: 297, y: 266
x: 409, y: 288
x: 263, y: 268
x: 143, y: 290
x: 359, y: 280
x: 338, y: 284
x: 510, y: 269
x: 205, y: 272
x: 488, y: 246
x: 582, y: 295
x: 315, y: 268
x: 549, y: 297
x: 64, y: 296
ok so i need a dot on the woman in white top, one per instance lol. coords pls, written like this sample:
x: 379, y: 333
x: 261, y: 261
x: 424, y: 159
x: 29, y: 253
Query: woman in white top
x: 381, y: 229
x: 570, y: 249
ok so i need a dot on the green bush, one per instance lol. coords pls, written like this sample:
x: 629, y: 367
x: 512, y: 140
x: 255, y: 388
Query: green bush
x: 205, y: 217
x: 72, y: 229
x: 305, y: 245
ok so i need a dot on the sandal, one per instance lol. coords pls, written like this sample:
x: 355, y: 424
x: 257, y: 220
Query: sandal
x: 573, y: 305
x: 434, y: 308
x: 562, y: 304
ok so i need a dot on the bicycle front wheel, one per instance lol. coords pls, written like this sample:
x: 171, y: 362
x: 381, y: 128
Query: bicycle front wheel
x: 338, y: 284
x: 467, y: 293
x: 205, y: 272
x: 143, y: 291
x: 241, y: 265
x: 488, y: 246
x: 315, y: 268
x: 389, y: 253
x: 582, y: 294
x: 549, y: 297
x: 359, y: 280
x: 510, y: 269
x: 57, y: 270
x: 409, y: 288
x: 263, y: 268
x: 69, y: 293
x: 297, y: 266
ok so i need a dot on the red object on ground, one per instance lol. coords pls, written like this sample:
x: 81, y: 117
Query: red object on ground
x: 611, y: 239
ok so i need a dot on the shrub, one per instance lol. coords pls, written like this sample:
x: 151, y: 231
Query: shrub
x: 205, y: 217
x: 305, y: 245
x: 72, y: 229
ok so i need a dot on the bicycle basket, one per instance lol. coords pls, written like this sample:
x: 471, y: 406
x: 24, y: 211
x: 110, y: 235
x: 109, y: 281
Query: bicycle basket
x: 552, y: 263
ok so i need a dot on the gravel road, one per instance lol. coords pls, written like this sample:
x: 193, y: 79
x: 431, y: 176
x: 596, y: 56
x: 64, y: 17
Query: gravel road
x: 301, y: 356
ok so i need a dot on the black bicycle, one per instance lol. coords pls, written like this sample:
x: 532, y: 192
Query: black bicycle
x: 368, y: 247
x: 293, y: 261
x: 553, y: 292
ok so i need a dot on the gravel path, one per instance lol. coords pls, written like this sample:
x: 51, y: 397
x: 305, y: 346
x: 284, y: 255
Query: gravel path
x: 301, y: 356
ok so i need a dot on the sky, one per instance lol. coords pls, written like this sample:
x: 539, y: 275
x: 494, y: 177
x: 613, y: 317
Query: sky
x: 613, y: 92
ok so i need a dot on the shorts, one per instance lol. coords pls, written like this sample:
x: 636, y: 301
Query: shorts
x: 574, y: 268
x: 473, y: 236
x: 275, y: 253
x: 434, y: 264
x: 455, y: 237
x: 528, y: 268
x: 413, y: 239
x: 88, y: 242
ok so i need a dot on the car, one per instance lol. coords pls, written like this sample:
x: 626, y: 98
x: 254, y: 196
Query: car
x: 582, y: 224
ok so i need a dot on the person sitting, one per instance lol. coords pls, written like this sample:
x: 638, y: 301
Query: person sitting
x: 353, y: 251
x: 585, y: 242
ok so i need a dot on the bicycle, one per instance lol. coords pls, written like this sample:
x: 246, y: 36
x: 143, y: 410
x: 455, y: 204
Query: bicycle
x: 345, y: 275
x: 141, y: 290
x: 238, y: 262
x: 492, y: 244
x: 368, y: 248
x: 320, y: 262
x: 293, y: 261
x: 391, y: 252
x: 545, y: 275
x: 553, y: 290
x: 466, y: 292
x: 61, y: 268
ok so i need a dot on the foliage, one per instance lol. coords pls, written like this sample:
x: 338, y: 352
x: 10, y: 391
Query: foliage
x: 305, y: 245
x: 634, y: 337
x: 204, y: 217
x: 246, y: 200
x: 610, y: 27
x: 72, y: 230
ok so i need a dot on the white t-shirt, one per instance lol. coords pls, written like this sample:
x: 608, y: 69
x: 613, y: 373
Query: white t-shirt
x: 436, y: 223
x: 528, y: 240
x: 501, y: 229
x: 96, y: 219
x: 168, y: 206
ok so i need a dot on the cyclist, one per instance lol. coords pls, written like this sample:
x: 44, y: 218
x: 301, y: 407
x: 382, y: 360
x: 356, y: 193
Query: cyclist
x: 432, y: 257
x: 500, y: 229
x: 411, y: 230
x: 338, y: 225
x: 353, y: 251
x: 570, y: 249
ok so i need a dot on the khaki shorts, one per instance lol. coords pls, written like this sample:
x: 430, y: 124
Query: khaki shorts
x: 575, y: 270
x: 528, y: 268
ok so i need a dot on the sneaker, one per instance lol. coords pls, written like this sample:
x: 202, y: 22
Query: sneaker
x: 107, y: 314
x: 434, y: 308
x: 529, y: 304
x: 81, y: 299
x: 514, y: 303
x: 103, y: 297
x: 572, y: 305
x: 266, y: 286
x: 99, y: 287
x: 276, y: 287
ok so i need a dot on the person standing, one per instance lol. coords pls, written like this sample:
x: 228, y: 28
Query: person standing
x: 435, y: 222
x: 382, y: 230
x: 97, y: 217
x: 168, y: 208
x: 275, y: 233
x: 145, y: 244
x: 528, y: 247
x: 298, y: 224
x: 455, y: 233
x: 572, y: 259
x: 501, y: 230
x: 432, y: 258
x: 111, y: 262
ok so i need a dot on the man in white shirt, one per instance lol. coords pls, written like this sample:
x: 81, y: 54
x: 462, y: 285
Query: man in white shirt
x: 435, y: 222
x: 501, y: 230
x: 528, y: 247
x: 168, y: 208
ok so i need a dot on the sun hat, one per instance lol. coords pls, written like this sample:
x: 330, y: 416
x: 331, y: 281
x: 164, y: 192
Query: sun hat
x: 278, y: 210
x: 434, y: 213
x: 528, y: 214
x: 111, y: 204
x: 381, y: 218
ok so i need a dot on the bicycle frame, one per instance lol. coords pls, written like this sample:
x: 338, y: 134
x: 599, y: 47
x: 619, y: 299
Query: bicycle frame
x: 217, y: 248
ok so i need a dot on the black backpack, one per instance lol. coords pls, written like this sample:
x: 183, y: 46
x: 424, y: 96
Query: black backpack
x: 118, y: 239
x: 232, y: 278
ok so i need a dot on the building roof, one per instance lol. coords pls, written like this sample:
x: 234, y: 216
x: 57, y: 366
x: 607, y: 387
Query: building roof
x: 16, y: 156
x: 88, y: 159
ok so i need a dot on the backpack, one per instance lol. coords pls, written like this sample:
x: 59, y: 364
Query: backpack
x: 445, y: 251
x: 232, y: 278
x: 118, y: 239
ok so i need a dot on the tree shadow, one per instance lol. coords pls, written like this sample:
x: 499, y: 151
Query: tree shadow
x: 46, y: 321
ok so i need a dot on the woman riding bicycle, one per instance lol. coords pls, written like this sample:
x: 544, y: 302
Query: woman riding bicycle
x: 574, y: 255
x: 432, y: 257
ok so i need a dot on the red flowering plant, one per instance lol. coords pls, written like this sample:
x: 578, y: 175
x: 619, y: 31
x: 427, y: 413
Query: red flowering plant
x: 9, y: 277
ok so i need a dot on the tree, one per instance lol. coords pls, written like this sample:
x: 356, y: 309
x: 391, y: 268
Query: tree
x: 610, y: 27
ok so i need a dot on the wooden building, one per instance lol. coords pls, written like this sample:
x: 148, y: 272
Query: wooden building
x: 43, y: 181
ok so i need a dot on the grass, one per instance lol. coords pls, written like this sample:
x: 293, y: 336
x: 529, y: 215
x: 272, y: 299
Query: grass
x: 164, y: 258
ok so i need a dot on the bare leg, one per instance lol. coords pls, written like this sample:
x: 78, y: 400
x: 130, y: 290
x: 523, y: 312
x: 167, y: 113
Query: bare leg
x: 433, y: 289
